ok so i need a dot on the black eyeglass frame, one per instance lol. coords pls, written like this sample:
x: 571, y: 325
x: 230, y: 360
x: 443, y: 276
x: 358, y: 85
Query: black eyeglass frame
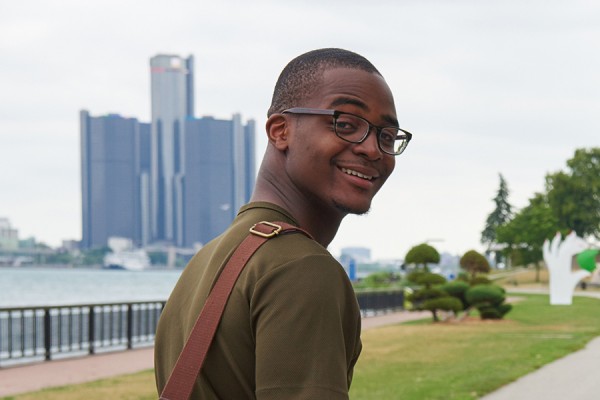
x: 336, y: 113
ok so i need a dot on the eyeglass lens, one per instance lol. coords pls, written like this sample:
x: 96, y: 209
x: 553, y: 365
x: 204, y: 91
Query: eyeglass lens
x: 355, y: 129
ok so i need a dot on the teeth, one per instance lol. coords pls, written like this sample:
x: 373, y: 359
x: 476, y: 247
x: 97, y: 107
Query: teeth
x: 352, y: 172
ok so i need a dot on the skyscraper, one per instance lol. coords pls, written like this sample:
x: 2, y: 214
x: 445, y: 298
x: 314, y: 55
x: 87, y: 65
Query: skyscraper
x: 114, y: 167
x: 172, y: 80
x: 219, y: 178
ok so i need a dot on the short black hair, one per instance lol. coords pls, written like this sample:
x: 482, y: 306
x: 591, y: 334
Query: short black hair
x: 301, y: 76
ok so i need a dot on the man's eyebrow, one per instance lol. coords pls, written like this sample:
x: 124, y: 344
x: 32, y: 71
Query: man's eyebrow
x: 355, y: 102
x: 348, y: 100
x: 390, y: 120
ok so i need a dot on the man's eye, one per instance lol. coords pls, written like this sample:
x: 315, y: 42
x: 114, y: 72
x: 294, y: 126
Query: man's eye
x: 387, y: 137
x: 345, y: 126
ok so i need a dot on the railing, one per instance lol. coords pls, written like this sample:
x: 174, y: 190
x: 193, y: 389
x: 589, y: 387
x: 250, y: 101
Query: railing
x: 44, y: 333
x: 376, y: 302
x: 29, y: 334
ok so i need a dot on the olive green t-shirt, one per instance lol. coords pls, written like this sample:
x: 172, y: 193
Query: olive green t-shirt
x: 290, y: 330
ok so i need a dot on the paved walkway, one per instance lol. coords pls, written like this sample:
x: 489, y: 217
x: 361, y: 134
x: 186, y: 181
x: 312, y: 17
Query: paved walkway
x: 574, y: 377
x: 28, y: 378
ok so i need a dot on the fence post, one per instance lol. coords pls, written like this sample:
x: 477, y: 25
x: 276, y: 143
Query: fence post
x: 91, y: 329
x: 47, y: 334
x: 130, y: 326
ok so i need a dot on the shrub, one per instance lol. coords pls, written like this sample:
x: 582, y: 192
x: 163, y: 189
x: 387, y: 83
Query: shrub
x: 421, y: 295
x: 426, y: 279
x: 463, y: 276
x: 474, y: 262
x: 494, y: 312
x: 447, y: 303
x: 379, y: 280
x: 489, y: 300
x: 457, y: 289
x: 414, y: 276
x: 484, y: 295
x: 480, y: 280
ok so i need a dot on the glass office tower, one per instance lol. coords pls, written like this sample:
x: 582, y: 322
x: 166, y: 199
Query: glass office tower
x: 172, y: 80
x: 114, y: 167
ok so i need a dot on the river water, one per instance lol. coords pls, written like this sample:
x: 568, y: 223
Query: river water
x: 24, y: 287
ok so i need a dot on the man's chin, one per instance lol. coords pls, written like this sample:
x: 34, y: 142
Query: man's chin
x: 346, y: 209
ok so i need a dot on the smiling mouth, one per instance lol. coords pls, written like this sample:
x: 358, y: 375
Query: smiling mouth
x: 355, y: 173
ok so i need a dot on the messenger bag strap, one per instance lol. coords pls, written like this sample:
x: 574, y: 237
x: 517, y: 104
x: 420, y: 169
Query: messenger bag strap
x: 186, y: 370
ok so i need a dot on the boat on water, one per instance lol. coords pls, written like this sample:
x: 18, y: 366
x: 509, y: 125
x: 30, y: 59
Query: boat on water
x: 124, y: 256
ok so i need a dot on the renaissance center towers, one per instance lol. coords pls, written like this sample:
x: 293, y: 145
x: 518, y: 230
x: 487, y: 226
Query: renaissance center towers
x: 180, y: 179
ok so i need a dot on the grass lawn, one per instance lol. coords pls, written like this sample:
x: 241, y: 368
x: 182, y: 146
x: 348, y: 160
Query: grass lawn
x: 464, y: 361
x: 424, y: 361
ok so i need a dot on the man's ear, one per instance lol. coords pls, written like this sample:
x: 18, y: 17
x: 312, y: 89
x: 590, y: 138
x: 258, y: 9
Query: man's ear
x: 277, y: 131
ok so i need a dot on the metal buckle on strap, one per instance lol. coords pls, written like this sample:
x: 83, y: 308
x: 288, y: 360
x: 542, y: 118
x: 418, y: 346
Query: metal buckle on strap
x: 274, y: 232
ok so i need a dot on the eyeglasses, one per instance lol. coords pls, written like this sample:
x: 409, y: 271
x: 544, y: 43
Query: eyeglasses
x: 354, y: 129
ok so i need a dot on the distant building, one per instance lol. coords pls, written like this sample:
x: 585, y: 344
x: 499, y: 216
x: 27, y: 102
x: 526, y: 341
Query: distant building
x: 9, y: 237
x: 114, y: 175
x: 70, y: 245
x: 359, y: 254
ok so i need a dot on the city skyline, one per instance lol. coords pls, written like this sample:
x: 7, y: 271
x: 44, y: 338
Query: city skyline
x: 486, y: 88
x: 176, y: 180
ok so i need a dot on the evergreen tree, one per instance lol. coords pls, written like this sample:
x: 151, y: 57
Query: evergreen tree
x: 501, y: 215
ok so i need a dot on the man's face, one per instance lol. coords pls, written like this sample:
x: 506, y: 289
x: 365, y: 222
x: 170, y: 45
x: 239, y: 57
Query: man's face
x: 328, y: 170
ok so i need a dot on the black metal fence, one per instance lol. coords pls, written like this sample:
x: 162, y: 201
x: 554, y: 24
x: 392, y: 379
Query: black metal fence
x: 45, y: 333
x: 377, y: 302
x: 30, y: 334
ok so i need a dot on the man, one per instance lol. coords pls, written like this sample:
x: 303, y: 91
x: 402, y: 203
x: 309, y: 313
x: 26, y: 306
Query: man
x: 291, y: 327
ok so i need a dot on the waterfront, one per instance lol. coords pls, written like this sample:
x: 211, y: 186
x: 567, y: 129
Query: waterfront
x: 31, y: 286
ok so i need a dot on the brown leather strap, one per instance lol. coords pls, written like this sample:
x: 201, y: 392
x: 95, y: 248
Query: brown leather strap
x: 182, y: 378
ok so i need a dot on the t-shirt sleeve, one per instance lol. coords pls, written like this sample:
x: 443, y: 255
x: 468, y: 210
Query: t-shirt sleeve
x: 307, y: 331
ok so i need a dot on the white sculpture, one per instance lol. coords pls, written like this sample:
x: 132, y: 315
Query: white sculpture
x: 559, y: 258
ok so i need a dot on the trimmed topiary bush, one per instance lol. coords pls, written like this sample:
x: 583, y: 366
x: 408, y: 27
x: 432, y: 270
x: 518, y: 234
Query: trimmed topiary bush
x: 414, y: 276
x: 489, y: 300
x: 474, y: 263
x: 447, y: 303
x: 422, y: 254
x: 421, y: 295
x: 485, y: 295
x: 457, y: 289
x: 430, y: 296
x: 480, y: 280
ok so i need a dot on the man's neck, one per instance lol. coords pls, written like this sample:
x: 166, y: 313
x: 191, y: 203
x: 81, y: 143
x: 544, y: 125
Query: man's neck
x: 320, y: 221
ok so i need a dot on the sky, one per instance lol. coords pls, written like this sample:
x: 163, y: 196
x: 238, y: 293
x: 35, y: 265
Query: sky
x: 486, y: 87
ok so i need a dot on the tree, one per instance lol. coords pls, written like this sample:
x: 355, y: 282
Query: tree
x: 474, y: 262
x: 430, y: 296
x: 500, y: 216
x: 422, y: 254
x: 526, y: 233
x: 94, y: 256
x: 574, y: 195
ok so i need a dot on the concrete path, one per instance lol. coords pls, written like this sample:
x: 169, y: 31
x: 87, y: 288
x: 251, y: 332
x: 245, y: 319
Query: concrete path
x: 573, y: 377
x: 32, y: 377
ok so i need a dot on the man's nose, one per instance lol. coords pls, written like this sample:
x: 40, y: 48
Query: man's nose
x: 369, y: 148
